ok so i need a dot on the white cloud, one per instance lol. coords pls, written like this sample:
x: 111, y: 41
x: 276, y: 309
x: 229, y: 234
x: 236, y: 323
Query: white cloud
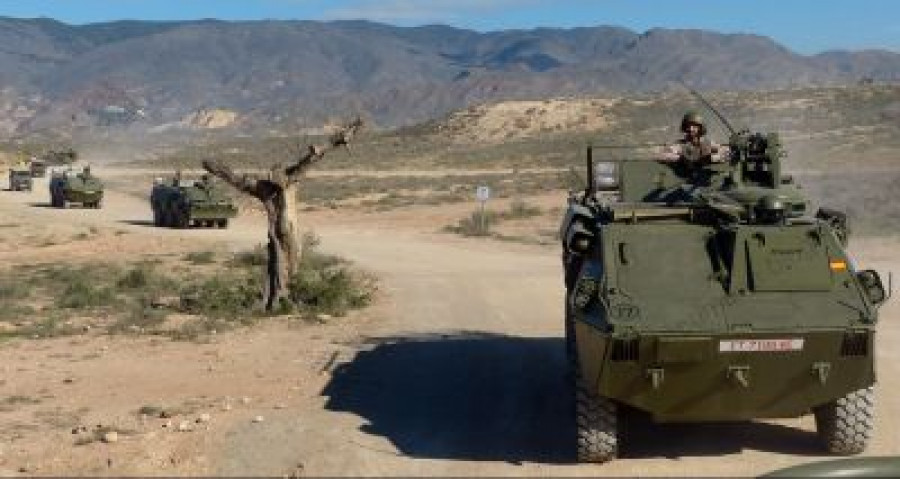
x: 422, y: 11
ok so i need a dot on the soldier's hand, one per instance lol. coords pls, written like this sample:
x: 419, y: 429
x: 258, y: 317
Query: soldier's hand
x: 669, y: 154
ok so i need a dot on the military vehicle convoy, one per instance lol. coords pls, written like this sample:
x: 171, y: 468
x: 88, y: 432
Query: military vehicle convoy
x: 700, y: 291
x: 20, y: 178
x: 68, y: 187
x: 182, y: 203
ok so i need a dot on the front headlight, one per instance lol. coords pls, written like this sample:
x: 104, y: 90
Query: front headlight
x: 606, y: 176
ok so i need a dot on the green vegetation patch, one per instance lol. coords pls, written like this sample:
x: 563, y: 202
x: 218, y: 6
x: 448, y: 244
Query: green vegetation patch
x: 141, y: 298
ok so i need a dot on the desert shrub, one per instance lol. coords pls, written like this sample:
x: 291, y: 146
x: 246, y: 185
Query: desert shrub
x: 326, y: 284
x: 222, y: 296
x: 519, y: 209
x: 142, y: 317
x: 83, y: 295
x: 200, y: 257
x: 479, y: 223
x: 12, y: 311
x: 12, y: 289
x: 255, y: 257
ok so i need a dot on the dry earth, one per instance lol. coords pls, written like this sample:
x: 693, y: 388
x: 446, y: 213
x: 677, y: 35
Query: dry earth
x: 507, y: 120
x: 457, y: 370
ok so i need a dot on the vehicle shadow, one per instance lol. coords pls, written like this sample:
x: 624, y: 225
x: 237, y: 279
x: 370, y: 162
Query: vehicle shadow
x: 42, y: 204
x: 486, y: 397
x: 146, y: 223
x: 461, y: 396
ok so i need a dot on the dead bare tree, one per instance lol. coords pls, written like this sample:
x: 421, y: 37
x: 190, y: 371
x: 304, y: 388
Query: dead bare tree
x: 278, y: 195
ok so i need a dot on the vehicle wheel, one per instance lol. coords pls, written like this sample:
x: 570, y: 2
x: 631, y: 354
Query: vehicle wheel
x: 845, y: 424
x: 182, y: 220
x: 569, y: 334
x: 222, y: 223
x: 597, y: 423
x: 98, y: 204
x: 157, y: 218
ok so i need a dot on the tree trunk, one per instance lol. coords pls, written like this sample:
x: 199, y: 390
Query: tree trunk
x: 284, y: 248
x: 278, y: 194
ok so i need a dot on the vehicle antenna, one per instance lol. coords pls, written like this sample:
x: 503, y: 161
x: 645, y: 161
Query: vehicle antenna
x: 708, y: 106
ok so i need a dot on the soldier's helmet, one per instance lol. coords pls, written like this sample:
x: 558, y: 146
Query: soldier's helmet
x: 692, y: 117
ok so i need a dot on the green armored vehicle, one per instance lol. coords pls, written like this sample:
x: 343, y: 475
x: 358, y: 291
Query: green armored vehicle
x: 180, y: 203
x: 38, y: 168
x: 20, y: 178
x: 701, y: 291
x: 68, y: 187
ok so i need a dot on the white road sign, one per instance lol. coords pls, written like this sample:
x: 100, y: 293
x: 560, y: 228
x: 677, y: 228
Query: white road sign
x: 483, y: 193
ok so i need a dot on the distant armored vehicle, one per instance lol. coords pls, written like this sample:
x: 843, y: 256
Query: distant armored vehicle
x: 38, y: 168
x: 68, y: 187
x: 60, y: 157
x: 180, y: 203
x: 700, y: 291
x: 20, y: 178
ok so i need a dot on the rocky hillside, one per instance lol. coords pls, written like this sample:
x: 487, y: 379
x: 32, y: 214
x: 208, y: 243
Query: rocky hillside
x: 299, y: 73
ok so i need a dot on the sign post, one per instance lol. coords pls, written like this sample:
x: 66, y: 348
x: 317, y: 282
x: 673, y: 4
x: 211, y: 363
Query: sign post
x: 483, y: 193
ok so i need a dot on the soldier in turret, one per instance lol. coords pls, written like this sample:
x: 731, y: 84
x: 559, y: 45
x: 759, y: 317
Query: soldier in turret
x: 693, y: 148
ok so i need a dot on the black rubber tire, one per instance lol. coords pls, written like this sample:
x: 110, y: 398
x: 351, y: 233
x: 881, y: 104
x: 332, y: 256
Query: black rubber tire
x: 222, y: 223
x: 845, y: 424
x: 182, y: 220
x: 597, y: 425
x: 569, y: 335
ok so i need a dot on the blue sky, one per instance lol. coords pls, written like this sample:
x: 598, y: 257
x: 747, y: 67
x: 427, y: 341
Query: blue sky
x: 805, y: 26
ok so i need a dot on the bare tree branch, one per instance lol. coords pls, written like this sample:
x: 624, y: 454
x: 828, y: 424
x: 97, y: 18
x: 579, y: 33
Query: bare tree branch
x: 316, y: 152
x: 243, y: 183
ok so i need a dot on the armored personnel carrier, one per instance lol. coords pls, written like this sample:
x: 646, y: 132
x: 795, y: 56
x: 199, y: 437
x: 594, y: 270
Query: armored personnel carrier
x: 38, y: 168
x: 67, y: 187
x: 182, y: 203
x: 712, y: 292
x: 20, y: 177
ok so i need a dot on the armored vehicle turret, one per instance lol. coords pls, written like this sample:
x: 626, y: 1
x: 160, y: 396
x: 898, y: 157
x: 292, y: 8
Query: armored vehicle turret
x: 181, y: 203
x: 67, y: 187
x: 699, y: 291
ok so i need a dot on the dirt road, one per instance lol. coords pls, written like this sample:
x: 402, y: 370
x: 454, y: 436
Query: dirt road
x: 458, y: 371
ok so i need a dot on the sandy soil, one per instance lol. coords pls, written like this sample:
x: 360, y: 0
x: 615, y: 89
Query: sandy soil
x: 457, y: 370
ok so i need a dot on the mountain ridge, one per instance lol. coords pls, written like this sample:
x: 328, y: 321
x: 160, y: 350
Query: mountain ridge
x: 301, y: 71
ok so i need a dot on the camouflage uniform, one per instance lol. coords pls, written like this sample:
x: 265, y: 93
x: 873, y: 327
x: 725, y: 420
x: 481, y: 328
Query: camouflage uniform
x: 692, y: 148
